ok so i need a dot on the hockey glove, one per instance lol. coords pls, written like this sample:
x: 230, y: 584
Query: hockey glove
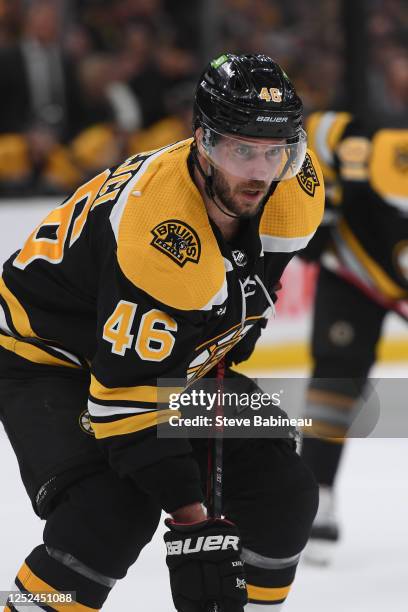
x: 205, y: 567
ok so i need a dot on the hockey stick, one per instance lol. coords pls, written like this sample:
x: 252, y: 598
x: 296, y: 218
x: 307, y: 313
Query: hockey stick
x: 215, y: 471
x: 400, y: 307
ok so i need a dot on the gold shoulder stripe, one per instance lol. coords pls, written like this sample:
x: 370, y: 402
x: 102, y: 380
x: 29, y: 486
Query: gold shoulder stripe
x: 292, y: 213
x: 145, y: 170
x: 166, y: 246
x: 34, y: 584
x: 132, y: 424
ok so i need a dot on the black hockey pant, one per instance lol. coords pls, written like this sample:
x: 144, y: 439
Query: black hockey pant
x: 97, y: 523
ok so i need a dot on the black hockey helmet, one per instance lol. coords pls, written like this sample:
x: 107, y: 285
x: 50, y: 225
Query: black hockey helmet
x: 249, y: 97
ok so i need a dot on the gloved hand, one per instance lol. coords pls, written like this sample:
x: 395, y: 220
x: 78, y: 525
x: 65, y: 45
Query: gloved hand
x: 205, y: 567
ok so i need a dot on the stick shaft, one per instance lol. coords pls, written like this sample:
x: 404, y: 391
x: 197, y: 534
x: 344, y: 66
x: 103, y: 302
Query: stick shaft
x: 218, y: 446
x: 215, y: 470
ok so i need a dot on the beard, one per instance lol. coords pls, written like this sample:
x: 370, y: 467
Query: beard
x: 228, y: 197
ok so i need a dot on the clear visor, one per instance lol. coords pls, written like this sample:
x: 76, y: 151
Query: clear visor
x: 252, y: 158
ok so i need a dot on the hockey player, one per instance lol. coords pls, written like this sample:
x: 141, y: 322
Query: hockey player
x: 363, y: 249
x: 159, y: 268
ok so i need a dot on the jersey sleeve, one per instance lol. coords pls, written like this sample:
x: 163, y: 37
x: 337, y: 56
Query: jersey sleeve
x: 157, y: 284
x: 139, y: 342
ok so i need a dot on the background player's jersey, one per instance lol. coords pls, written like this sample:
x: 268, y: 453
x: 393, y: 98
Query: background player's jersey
x: 130, y: 277
x: 366, y: 174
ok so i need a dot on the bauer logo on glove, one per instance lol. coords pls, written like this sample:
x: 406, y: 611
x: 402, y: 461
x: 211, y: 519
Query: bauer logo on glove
x: 185, y: 547
x: 205, y: 566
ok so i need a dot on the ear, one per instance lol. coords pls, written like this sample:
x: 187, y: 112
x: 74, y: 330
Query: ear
x: 198, y: 135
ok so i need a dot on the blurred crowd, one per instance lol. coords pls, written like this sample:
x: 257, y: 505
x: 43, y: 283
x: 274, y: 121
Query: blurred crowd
x: 85, y: 83
x: 307, y: 38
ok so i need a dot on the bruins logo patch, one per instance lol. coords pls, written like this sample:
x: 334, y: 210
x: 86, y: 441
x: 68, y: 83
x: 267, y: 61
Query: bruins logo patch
x: 177, y: 240
x: 85, y: 423
x: 307, y: 177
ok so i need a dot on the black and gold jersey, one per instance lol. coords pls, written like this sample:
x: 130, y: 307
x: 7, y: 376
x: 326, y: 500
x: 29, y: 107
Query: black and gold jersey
x: 366, y: 174
x: 130, y: 278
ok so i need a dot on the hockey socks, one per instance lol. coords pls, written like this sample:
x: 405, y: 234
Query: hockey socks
x: 268, y: 580
x: 55, y: 582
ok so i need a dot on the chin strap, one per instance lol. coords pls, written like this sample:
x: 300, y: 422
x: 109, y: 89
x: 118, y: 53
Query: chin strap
x: 268, y: 194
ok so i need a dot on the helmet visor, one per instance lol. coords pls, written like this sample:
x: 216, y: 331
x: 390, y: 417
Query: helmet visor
x: 252, y: 158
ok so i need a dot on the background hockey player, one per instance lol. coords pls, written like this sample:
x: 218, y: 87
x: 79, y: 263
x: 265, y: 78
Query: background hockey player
x: 363, y: 250
x: 134, y: 278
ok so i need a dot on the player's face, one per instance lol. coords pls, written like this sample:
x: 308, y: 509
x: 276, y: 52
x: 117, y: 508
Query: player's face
x: 246, y: 157
x: 243, y: 198
x: 243, y: 169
